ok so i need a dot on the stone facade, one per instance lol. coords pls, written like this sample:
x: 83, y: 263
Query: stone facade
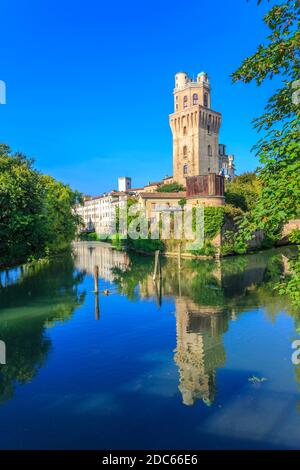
x: 195, y: 128
x: 287, y: 229
x: 155, y: 202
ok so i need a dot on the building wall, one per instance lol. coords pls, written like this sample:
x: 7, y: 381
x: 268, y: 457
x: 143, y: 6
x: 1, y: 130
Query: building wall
x: 195, y: 129
x: 287, y: 229
x: 98, y: 214
x: 161, y: 201
x: 226, y: 163
x: 124, y: 183
x: 208, y: 201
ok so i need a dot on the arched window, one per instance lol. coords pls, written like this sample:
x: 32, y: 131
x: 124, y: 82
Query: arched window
x: 209, y: 151
x: 184, y: 130
x: 185, y: 101
x: 195, y: 99
x: 185, y: 151
x: 205, y: 100
x: 185, y: 169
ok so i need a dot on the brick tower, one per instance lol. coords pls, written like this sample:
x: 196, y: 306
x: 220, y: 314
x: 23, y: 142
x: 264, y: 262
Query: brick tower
x: 195, y: 128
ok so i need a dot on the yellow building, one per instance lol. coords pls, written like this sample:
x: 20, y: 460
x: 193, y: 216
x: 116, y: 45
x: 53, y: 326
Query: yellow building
x: 195, y: 128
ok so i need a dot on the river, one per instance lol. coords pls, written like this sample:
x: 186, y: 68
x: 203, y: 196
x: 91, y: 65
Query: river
x: 199, y: 359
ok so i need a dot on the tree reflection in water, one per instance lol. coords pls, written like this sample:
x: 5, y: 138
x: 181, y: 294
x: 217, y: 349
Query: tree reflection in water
x: 207, y: 296
x: 42, y: 295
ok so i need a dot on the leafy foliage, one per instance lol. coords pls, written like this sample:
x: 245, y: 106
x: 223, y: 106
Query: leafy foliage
x: 170, y: 188
x: 290, y: 285
x: 147, y: 246
x: 243, y: 191
x: 279, y: 148
x: 61, y: 221
x: 36, y: 211
x: 89, y: 237
x: 213, y: 222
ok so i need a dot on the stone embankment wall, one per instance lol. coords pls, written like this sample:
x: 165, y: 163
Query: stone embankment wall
x: 287, y: 229
x: 258, y: 235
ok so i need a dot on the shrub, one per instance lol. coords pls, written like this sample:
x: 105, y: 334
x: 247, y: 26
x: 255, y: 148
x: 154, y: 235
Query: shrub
x: 208, y: 249
x: 243, y: 191
x: 170, y: 188
x: 148, y: 245
x: 89, y: 237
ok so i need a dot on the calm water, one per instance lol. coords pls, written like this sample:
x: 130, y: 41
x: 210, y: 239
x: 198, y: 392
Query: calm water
x: 163, y: 365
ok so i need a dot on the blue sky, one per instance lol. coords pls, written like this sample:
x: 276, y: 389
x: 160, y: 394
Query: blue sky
x: 89, y: 83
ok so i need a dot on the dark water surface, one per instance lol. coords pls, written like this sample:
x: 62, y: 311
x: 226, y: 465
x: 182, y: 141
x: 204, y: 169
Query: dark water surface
x: 152, y: 365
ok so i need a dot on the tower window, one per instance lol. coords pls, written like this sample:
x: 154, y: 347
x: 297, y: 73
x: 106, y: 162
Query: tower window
x: 185, y: 101
x: 195, y: 99
x: 184, y: 130
x: 205, y: 100
x: 209, y: 151
x: 185, y: 151
x: 208, y: 129
x: 185, y: 169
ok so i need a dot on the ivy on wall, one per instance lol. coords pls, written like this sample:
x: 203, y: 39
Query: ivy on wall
x: 213, y: 221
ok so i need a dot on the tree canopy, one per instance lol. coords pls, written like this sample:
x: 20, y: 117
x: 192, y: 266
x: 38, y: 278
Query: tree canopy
x: 36, y: 211
x: 278, y: 149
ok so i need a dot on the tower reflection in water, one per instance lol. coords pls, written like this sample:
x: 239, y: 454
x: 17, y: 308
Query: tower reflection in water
x: 207, y: 296
x: 200, y: 350
x: 201, y: 322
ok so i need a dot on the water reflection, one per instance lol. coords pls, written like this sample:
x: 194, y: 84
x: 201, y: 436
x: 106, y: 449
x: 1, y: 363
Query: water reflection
x: 89, y: 254
x: 201, y: 321
x: 200, y: 351
x: 208, y: 295
x: 40, y: 296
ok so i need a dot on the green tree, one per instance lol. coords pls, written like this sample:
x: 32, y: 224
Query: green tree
x: 21, y: 207
x: 61, y: 220
x: 278, y: 149
x: 37, y: 214
x: 243, y: 191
